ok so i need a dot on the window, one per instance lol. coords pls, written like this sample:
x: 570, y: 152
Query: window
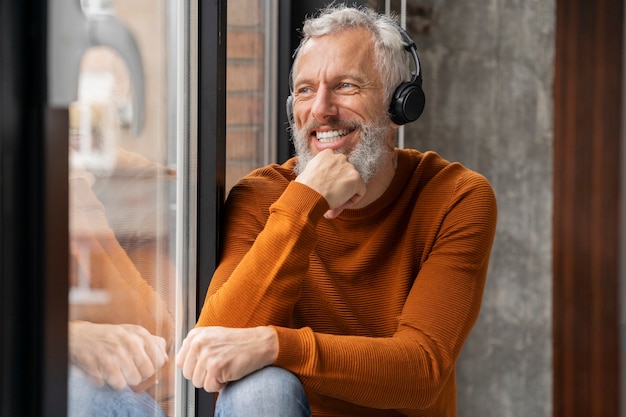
x: 131, y: 182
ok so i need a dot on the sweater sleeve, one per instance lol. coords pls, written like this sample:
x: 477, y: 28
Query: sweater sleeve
x: 264, y: 259
x: 413, y: 369
x: 97, y: 254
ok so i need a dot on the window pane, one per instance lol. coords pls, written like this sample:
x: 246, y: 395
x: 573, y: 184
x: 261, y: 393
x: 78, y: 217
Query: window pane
x: 125, y: 211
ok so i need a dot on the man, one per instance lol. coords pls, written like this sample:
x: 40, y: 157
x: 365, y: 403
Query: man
x: 350, y: 276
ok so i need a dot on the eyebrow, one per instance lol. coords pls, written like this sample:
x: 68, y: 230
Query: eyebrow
x: 357, y: 79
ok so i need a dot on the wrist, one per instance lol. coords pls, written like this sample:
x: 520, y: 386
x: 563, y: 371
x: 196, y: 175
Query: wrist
x: 269, y: 345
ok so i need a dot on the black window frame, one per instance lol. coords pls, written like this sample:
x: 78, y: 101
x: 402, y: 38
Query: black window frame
x: 33, y: 220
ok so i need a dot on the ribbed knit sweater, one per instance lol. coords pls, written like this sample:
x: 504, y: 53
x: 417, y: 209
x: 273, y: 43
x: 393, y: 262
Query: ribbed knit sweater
x: 371, y: 308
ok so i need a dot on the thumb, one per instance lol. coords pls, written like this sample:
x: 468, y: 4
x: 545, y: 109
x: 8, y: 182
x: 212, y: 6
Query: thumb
x: 333, y: 213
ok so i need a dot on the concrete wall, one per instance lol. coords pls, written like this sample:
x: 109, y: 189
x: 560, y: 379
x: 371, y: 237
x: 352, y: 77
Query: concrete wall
x: 488, y: 69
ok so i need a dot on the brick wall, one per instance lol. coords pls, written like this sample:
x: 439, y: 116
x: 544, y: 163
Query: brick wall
x: 244, y: 88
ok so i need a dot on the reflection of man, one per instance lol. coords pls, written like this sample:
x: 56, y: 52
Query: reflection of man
x: 121, y: 329
x: 350, y: 276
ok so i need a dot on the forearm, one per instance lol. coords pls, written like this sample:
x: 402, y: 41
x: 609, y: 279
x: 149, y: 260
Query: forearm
x: 407, y: 371
x: 260, y: 275
x: 131, y: 298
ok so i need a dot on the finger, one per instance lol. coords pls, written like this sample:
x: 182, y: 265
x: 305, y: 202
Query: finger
x: 189, y: 365
x: 98, y: 381
x: 113, y: 375
x: 160, y: 351
x: 93, y: 373
x: 124, y: 360
x: 333, y: 213
x: 199, y: 375
x: 182, y: 355
x: 156, y: 354
x: 188, y: 355
x: 134, y: 363
x: 184, y: 351
x: 144, y: 365
x: 90, y: 367
x: 140, y: 355
x: 212, y: 385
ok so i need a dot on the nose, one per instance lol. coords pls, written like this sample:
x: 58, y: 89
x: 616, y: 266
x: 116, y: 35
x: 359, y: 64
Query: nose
x: 324, y: 105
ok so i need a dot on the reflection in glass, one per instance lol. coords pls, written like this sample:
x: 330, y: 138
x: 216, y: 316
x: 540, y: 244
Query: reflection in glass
x: 122, y: 266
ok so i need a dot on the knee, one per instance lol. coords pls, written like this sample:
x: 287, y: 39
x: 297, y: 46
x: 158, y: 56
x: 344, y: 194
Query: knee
x: 270, y: 385
x: 86, y: 399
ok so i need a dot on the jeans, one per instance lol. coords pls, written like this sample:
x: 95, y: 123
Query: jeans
x: 87, y: 400
x: 268, y: 392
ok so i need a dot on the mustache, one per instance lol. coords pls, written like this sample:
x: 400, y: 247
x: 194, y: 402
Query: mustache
x: 333, y: 123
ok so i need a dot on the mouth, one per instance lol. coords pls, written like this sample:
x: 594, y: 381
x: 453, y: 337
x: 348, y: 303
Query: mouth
x: 331, y: 135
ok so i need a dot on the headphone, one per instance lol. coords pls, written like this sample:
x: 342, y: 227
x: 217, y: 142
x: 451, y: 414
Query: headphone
x: 408, y: 100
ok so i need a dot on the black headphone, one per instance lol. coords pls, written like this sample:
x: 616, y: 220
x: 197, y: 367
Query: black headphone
x: 408, y: 100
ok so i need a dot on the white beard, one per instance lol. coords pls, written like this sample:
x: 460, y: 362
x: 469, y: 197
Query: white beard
x: 368, y: 156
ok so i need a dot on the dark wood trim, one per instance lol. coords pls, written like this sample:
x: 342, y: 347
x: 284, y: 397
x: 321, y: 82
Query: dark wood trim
x: 586, y: 239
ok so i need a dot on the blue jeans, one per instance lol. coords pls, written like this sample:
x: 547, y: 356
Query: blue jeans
x: 87, y: 400
x: 268, y: 392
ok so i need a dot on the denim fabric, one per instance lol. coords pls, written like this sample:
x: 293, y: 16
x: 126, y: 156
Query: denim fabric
x: 88, y: 400
x: 268, y: 392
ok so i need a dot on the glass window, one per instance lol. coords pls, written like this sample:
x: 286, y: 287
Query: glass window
x: 132, y: 191
x: 129, y: 144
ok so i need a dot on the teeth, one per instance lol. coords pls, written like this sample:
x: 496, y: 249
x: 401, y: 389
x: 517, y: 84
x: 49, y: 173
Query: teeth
x: 330, y: 135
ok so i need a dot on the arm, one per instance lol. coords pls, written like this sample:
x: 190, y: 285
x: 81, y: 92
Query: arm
x: 411, y: 369
x: 260, y: 274
x: 267, y: 248
x: 97, y: 254
x: 265, y: 257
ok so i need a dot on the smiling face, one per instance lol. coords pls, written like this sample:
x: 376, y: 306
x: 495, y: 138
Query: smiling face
x: 338, y: 101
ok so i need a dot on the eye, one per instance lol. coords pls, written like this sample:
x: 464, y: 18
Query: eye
x: 346, y: 87
x: 303, y: 91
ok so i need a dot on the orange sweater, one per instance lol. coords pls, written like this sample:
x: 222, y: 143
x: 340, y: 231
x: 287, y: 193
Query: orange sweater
x: 371, y: 308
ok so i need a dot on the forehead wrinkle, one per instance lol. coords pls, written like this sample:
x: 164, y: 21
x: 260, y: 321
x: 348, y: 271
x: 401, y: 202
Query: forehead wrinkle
x: 335, y: 58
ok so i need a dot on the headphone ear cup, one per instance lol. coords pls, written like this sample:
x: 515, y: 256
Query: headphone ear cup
x: 289, y: 109
x: 407, y: 103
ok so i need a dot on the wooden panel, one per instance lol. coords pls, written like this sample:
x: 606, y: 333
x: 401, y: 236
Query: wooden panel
x: 587, y: 92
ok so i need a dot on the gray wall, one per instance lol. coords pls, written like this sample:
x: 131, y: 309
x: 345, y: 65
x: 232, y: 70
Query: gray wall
x: 488, y: 68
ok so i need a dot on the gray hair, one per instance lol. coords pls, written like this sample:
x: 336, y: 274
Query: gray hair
x: 392, y: 60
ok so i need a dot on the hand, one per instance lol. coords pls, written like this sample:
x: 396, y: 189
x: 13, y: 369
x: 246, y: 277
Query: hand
x: 331, y: 175
x: 212, y: 356
x: 119, y: 355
